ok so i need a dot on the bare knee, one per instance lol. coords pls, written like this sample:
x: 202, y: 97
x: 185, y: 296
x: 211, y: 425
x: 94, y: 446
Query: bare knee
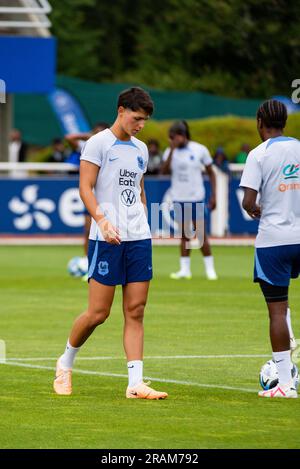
x: 134, y: 312
x: 97, y: 316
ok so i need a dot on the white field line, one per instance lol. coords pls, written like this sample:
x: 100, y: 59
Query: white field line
x: 78, y: 240
x: 116, y: 375
x: 158, y: 357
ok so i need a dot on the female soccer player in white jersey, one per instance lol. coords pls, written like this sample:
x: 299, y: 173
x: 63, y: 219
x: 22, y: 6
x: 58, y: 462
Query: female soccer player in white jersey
x: 185, y: 160
x: 273, y: 170
x: 113, y: 163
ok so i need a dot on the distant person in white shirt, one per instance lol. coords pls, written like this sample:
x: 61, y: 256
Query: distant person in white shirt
x: 273, y: 170
x: 112, y: 168
x: 185, y: 160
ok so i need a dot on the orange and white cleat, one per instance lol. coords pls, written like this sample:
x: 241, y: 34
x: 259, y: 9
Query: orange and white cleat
x: 63, y: 380
x: 143, y: 391
x: 287, y: 391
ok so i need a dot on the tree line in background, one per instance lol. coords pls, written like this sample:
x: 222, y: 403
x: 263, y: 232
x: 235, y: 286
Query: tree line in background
x: 231, y: 48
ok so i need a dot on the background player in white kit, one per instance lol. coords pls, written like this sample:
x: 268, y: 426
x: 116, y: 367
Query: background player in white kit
x: 185, y: 160
x: 112, y: 167
x: 273, y: 170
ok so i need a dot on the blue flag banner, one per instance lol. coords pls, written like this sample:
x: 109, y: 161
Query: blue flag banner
x: 68, y: 111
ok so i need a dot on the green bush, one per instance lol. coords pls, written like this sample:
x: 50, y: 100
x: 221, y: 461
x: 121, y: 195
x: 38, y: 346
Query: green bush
x: 39, y: 155
x: 230, y: 132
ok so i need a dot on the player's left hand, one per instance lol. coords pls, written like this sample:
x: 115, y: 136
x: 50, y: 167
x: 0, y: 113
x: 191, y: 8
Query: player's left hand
x: 109, y: 232
x: 255, y: 212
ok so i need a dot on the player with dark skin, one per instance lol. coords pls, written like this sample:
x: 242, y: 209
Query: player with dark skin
x: 279, y: 332
x: 177, y: 140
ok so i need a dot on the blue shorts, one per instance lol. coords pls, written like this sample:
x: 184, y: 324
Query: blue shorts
x: 185, y: 212
x: 128, y: 262
x: 277, y: 265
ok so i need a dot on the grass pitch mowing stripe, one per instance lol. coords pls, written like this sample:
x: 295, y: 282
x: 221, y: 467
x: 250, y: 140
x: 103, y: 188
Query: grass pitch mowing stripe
x: 39, y: 302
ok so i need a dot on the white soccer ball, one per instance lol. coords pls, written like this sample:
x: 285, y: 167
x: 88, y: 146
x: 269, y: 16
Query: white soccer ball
x: 78, y: 266
x: 268, y: 376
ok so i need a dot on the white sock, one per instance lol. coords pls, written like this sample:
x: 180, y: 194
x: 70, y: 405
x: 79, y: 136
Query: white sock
x: 135, y: 372
x: 67, y: 359
x: 209, y: 263
x: 283, y: 363
x: 289, y: 322
x: 185, y: 264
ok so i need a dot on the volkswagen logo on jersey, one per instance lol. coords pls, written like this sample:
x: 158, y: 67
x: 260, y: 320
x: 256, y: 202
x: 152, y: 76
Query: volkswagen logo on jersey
x: 140, y: 163
x: 128, y: 197
x: 103, y: 268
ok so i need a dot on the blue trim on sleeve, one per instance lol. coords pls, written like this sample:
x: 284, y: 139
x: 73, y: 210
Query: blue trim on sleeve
x: 123, y: 142
x: 279, y: 139
x: 260, y: 272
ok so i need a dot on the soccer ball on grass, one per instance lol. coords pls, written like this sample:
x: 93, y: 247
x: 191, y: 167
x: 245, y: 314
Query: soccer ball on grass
x: 78, y: 266
x: 268, y: 376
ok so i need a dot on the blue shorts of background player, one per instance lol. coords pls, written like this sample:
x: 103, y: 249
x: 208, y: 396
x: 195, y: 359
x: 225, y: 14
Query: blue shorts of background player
x: 128, y: 262
x: 186, y: 212
x: 277, y: 264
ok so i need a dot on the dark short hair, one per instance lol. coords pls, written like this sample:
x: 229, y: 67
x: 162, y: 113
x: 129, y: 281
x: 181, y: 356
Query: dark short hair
x: 153, y: 141
x: 180, y: 128
x: 136, y: 98
x: 273, y: 114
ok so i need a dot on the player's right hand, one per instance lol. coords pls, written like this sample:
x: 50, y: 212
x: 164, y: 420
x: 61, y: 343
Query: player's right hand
x: 109, y: 232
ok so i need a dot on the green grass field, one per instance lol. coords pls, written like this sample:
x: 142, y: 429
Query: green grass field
x: 197, y: 318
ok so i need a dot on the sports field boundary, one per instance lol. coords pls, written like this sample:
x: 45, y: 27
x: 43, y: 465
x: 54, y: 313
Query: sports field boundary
x: 56, y: 240
x: 125, y: 376
x: 150, y: 357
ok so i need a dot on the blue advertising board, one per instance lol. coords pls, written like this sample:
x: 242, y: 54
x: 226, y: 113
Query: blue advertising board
x: 239, y: 221
x: 53, y: 206
x: 35, y: 206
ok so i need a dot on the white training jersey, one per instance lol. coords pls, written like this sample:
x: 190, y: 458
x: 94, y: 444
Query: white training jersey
x: 273, y: 170
x: 186, y: 172
x: 117, y: 190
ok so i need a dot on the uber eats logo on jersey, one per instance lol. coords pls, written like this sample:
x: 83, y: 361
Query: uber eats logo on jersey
x: 127, y: 178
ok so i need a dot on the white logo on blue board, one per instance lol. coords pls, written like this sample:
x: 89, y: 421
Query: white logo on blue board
x: 141, y: 163
x: 103, y: 268
x: 30, y: 209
